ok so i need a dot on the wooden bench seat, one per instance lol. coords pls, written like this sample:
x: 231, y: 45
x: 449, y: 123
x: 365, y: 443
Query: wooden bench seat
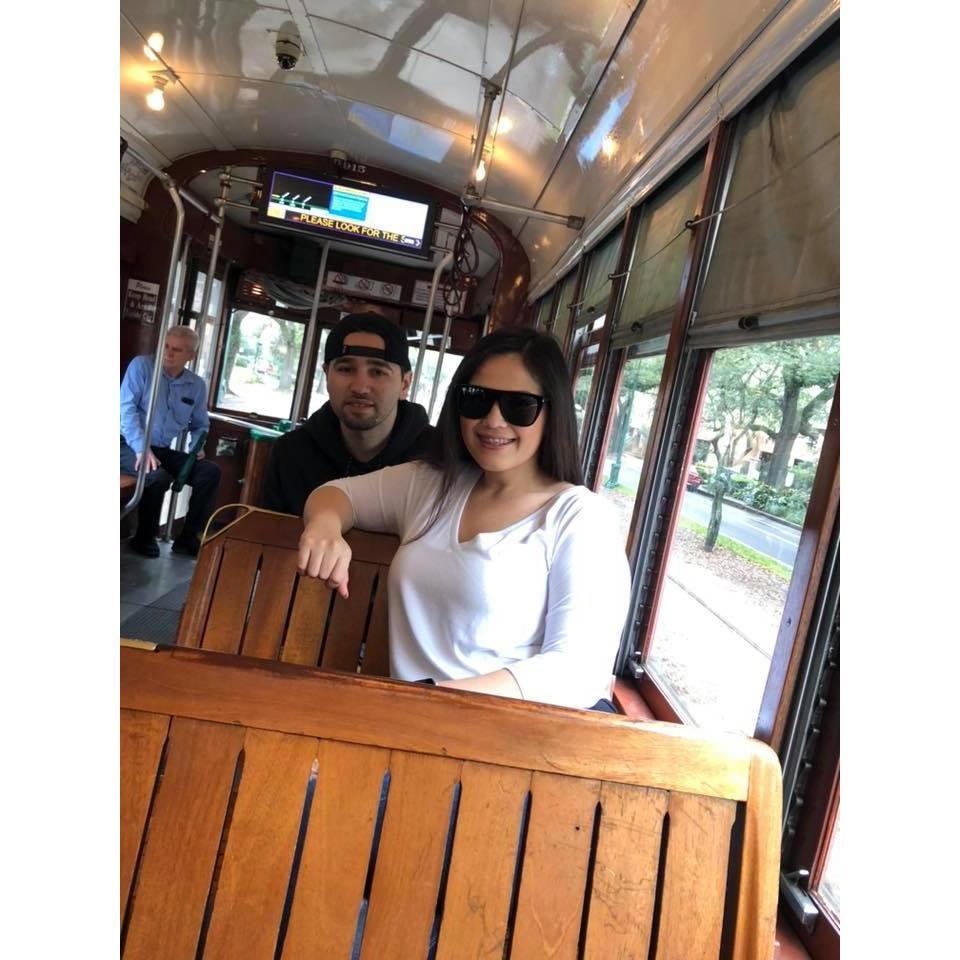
x: 246, y: 597
x: 495, y: 827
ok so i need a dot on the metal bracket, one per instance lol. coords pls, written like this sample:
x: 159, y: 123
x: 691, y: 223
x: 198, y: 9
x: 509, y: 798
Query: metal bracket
x: 798, y: 900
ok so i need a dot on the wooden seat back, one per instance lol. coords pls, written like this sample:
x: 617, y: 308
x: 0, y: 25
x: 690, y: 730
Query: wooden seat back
x: 246, y: 597
x: 272, y: 810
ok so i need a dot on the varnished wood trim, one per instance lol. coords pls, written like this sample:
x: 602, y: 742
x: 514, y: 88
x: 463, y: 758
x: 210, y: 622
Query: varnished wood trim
x: 757, y: 903
x: 657, y: 700
x: 450, y: 723
x: 802, y: 594
x: 717, y: 151
x: 283, y: 530
x: 627, y: 699
x: 618, y: 287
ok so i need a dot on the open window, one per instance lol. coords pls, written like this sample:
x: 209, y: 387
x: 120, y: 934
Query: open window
x: 260, y: 364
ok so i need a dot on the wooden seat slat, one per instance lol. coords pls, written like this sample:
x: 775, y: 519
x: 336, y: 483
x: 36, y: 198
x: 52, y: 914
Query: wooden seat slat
x: 182, y: 841
x: 484, y: 861
x: 625, y: 872
x: 694, y: 885
x: 555, y: 866
x: 236, y: 581
x: 348, y: 620
x: 376, y: 658
x: 304, y: 637
x: 142, y: 736
x: 196, y: 608
x: 263, y: 635
x: 259, y: 853
x: 406, y: 880
x: 336, y: 851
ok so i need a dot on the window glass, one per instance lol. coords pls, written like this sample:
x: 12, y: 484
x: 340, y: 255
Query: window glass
x: 632, y: 416
x: 425, y: 388
x: 318, y: 393
x: 214, y: 307
x: 209, y: 335
x: 746, y: 490
x: 581, y: 387
x: 829, y: 887
x: 260, y: 364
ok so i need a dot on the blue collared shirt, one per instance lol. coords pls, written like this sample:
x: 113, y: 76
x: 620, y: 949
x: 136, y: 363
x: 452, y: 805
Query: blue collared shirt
x: 181, y: 404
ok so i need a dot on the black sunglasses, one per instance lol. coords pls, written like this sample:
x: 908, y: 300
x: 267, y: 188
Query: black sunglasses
x: 520, y: 409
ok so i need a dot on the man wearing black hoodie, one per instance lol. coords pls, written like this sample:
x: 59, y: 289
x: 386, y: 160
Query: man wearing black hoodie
x: 365, y: 425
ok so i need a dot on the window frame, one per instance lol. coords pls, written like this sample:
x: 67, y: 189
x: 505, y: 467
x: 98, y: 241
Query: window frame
x: 678, y: 405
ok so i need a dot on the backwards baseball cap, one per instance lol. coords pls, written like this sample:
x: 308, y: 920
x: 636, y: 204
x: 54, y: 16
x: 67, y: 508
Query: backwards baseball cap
x: 394, y: 340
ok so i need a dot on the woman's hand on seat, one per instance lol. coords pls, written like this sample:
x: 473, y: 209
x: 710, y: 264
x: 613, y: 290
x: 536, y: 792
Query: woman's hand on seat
x: 324, y: 554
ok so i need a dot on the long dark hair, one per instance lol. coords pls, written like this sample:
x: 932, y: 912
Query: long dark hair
x: 558, y: 456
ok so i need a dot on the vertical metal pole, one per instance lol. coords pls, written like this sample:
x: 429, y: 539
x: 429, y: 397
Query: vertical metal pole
x: 212, y: 268
x: 428, y: 320
x: 171, y: 188
x: 310, y: 336
x: 182, y: 436
x: 443, y: 350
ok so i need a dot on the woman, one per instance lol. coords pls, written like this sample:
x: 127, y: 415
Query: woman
x: 511, y: 577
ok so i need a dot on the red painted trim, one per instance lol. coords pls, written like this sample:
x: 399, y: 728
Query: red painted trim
x: 627, y: 699
x: 795, y: 621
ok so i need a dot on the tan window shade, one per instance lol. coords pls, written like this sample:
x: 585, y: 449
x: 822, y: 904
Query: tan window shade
x: 659, y: 252
x: 777, y: 249
x: 562, y: 315
x: 601, y: 262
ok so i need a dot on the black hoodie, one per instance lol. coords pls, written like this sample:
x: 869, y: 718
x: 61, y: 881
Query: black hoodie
x: 313, y: 454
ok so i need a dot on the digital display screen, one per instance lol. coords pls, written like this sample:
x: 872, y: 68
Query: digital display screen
x: 348, y: 213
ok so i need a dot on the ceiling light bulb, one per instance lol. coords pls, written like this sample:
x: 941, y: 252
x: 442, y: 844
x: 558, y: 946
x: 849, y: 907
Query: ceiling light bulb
x: 609, y: 146
x: 153, y: 46
x: 155, y: 99
x: 480, y: 172
x: 504, y: 125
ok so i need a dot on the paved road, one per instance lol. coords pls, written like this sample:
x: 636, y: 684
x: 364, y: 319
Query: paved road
x: 766, y: 534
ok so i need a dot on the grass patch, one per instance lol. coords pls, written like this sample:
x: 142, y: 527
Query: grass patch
x: 741, y: 550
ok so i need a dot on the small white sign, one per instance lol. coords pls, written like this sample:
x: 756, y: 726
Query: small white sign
x: 421, y: 296
x: 362, y: 286
x: 140, y: 304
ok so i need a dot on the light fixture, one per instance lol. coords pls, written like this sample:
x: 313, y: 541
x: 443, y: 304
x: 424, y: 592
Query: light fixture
x: 153, y: 46
x: 609, y: 146
x: 481, y: 170
x: 504, y: 125
x: 155, y: 96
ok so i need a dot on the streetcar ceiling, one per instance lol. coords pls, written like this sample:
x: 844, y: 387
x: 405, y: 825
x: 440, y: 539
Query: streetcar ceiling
x: 590, y: 87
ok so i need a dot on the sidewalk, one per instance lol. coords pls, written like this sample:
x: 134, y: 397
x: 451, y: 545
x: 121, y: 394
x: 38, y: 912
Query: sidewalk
x: 716, y: 629
x: 733, y: 603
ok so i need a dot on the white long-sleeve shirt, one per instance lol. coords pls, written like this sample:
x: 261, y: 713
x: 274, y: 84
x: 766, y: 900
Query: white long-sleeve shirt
x: 545, y: 598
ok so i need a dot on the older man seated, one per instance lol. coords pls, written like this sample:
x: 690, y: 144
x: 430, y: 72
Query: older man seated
x: 181, y: 405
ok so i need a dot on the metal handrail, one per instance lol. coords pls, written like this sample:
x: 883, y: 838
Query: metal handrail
x: 428, y: 320
x: 166, y: 315
x: 310, y: 335
x: 443, y: 350
x: 211, y: 270
x: 182, y: 437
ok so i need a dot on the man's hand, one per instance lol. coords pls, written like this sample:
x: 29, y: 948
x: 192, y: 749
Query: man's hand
x: 152, y: 462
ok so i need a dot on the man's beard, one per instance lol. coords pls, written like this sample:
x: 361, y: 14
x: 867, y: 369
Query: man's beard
x: 354, y: 420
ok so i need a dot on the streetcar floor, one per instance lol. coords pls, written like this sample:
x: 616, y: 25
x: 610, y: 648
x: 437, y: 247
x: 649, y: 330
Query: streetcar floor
x: 152, y: 593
